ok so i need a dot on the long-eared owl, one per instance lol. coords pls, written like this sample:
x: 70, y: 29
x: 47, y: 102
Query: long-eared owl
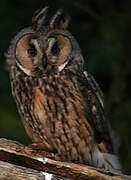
x: 60, y: 104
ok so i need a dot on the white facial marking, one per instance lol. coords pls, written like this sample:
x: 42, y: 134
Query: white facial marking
x: 26, y: 71
x: 60, y: 68
x: 47, y: 176
x: 51, y: 43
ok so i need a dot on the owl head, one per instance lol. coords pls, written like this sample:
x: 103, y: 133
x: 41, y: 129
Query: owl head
x: 46, y: 46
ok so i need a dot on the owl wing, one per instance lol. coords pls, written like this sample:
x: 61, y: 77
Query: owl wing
x: 94, y: 101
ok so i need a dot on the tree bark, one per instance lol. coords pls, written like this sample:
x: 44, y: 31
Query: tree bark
x: 13, y: 172
x: 19, y: 162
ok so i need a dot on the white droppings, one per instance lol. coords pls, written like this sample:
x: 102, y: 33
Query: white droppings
x: 47, y: 176
x: 40, y: 159
x: 94, y: 110
x: 60, y: 68
x: 43, y: 160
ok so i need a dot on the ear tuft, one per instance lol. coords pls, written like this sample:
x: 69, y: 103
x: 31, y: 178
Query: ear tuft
x: 60, y: 20
x: 39, y: 18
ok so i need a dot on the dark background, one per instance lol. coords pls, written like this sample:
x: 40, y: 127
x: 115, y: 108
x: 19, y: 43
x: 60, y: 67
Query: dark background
x: 103, y: 30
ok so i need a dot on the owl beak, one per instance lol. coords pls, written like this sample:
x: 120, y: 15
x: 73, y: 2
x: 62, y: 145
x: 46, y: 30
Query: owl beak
x: 44, y: 61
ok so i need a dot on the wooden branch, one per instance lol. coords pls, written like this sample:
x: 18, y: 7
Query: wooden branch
x: 27, y: 163
x: 13, y: 172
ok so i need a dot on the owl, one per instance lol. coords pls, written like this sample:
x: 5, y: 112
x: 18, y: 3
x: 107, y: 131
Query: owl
x: 60, y: 104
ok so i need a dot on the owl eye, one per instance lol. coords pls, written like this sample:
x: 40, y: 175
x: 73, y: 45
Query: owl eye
x: 32, y: 51
x: 55, y: 49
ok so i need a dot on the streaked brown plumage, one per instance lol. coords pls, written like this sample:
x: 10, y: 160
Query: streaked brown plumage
x: 61, y: 105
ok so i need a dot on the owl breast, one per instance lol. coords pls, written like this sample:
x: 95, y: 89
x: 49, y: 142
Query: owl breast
x: 60, y: 111
x: 55, y: 114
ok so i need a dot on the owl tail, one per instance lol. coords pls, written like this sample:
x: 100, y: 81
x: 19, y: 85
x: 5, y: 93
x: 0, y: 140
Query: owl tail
x: 106, y: 161
x: 113, y: 162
